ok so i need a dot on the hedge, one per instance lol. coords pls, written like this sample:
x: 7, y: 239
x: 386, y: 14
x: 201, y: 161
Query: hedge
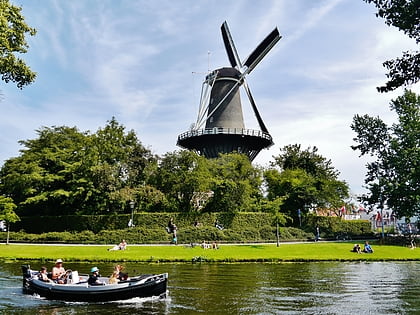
x: 147, y: 220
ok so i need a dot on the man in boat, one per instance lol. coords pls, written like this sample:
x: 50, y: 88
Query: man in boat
x: 58, y: 272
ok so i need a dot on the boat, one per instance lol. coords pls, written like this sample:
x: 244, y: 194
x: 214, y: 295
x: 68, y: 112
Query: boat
x: 78, y: 290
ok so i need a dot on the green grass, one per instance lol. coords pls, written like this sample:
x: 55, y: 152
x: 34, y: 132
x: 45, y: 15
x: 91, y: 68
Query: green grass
x: 329, y: 251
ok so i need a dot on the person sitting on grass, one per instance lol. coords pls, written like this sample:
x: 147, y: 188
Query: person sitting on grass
x: 120, y: 246
x: 356, y: 249
x: 367, y: 248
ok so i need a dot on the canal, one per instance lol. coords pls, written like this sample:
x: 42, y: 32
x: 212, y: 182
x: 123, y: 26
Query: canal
x: 260, y: 288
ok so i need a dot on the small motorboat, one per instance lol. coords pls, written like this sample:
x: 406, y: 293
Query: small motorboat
x: 80, y: 291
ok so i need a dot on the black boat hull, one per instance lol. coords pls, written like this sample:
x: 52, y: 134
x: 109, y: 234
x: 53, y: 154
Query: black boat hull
x: 142, y: 286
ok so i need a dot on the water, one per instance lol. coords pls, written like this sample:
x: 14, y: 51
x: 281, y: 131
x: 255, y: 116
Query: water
x: 284, y: 288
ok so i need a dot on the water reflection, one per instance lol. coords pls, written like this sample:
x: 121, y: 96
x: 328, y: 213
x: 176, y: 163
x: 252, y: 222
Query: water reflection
x: 286, y: 288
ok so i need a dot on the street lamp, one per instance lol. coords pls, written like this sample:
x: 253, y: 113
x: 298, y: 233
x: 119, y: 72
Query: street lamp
x: 131, y: 222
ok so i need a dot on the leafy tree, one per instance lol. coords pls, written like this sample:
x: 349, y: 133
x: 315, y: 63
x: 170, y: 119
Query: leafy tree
x: 393, y: 178
x: 118, y: 161
x: 7, y: 213
x: 304, y: 179
x: 403, y: 14
x: 65, y: 171
x: 12, y: 43
x: 235, y: 184
x: 180, y: 175
x: 44, y: 178
x: 279, y: 218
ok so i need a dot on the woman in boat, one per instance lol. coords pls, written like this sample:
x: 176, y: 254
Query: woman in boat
x: 122, y: 276
x: 114, y: 278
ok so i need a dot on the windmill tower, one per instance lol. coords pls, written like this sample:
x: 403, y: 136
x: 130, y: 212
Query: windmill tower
x: 220, y: 125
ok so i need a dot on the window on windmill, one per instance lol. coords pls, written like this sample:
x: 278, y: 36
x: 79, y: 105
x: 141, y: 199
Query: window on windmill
x: 211, y: 119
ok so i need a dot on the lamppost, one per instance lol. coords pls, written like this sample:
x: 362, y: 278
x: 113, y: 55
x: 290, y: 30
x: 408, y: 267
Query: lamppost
x: 131, y: 222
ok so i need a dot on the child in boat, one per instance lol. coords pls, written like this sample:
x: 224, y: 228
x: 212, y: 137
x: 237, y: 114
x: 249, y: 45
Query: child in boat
x: 94, y: 277
x: 43, y: 275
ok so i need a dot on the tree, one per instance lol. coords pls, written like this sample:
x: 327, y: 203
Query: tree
x: 182, y: 174
x: 393, y: 178
x: 65, y: 171
x: 304, y: 179
x: 7, y: 213
x: 403, y: 14
x: 235, y: 183
x: 12, y: 43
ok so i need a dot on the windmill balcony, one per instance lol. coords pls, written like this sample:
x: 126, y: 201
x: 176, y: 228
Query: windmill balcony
x: 226, y: 131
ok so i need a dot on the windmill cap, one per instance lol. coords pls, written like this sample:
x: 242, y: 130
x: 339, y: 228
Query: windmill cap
x: 94, y: 269
x: 58, y: 261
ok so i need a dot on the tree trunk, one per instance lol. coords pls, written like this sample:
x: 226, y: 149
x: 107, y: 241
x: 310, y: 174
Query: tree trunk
x: 8, y: 230
x: 277, y: 234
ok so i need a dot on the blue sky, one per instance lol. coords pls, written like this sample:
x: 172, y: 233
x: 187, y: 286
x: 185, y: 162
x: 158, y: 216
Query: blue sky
x: 143, y: 62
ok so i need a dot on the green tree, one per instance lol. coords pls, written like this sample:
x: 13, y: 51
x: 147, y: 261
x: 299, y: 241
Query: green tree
x: 13, y: 30
x: 403, y: 14
x: 235, y: 183
x: 393, y: 178
x: 118, y: 161
x: 65, y: 171
x: 304, y: 179
x: 45, y: 178
x: 7, y: 213
x: 180, y: 175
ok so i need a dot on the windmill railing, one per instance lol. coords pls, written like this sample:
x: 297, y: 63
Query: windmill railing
x: 225, y: 131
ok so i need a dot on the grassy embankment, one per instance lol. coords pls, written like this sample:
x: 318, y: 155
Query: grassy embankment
x: 226, y: 253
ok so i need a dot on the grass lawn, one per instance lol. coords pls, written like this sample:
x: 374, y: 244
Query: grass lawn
x: 322, y: 251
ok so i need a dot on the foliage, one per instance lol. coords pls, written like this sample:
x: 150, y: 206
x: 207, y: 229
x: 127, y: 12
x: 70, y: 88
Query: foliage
x: 236, y: 183
x: 330, y: 226
x: 7, y: 208
x: 13, y: 30
x: 393, y: 178
x: 65, y: 171
x: 179, y: 176
x: 304, y: 179
x: 403, y: 14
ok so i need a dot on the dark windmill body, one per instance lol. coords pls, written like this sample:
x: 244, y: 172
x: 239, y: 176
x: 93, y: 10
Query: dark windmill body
x: 220, y: 125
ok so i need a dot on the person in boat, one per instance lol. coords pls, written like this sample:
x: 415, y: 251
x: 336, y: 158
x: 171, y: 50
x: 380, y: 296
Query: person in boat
x: 114, y: 278
x: 122, y: 276
x: 58, y: 272
x: 94, y: 277
x: 367, y: 248
x: 356, y: 249
x: 43, y: 275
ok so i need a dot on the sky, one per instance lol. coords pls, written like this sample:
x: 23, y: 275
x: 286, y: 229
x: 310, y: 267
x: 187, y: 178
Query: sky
x: 143, y: 62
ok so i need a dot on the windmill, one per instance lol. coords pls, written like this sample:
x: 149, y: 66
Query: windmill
x: 220, y: 125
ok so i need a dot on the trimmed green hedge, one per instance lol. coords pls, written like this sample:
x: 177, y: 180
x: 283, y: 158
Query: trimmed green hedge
x: 330, y: 226
x: 146, y: 220
x: 150, y: 228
